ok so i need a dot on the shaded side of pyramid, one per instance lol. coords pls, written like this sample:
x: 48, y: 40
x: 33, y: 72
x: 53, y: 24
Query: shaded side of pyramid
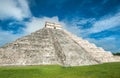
x: 52, y: 45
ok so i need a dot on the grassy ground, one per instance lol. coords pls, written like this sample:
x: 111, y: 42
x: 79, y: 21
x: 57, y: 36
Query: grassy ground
x: 107, y: 70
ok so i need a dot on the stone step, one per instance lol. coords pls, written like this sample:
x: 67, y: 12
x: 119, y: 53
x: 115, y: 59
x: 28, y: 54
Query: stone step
x: 73, y: 51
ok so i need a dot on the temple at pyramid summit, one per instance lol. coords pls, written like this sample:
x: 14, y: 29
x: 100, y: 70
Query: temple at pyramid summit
x: 53, y: 45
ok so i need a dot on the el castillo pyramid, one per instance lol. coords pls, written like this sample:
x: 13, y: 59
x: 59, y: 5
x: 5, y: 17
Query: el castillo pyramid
x: 53, y: 45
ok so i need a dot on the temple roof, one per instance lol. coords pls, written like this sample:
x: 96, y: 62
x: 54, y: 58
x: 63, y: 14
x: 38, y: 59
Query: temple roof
x: 52, y: 25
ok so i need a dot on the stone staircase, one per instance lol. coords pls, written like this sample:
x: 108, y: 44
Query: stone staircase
x: 74, y: 54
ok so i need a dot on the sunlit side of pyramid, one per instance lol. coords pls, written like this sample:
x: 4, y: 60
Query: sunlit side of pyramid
x: 53, y: 45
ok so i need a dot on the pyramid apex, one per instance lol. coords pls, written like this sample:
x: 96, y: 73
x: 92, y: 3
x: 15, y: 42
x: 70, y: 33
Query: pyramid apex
x: 52, y: 25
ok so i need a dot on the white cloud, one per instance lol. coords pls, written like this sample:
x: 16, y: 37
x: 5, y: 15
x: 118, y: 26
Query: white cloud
x: 38, y: 23
x: 73, y: 29
x: 17, y: 9
x: 75, y: 25
x: 105, y: 23
x: 7, y: 36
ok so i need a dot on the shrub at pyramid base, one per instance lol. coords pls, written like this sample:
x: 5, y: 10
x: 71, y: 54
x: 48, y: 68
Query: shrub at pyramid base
x: 53, y: 45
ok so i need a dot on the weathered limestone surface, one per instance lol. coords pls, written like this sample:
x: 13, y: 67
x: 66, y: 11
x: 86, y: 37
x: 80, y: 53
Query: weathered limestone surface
x: 53, y: 46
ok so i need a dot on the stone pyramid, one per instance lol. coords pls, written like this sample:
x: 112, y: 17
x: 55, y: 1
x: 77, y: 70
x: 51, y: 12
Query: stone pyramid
x: 53, y: 45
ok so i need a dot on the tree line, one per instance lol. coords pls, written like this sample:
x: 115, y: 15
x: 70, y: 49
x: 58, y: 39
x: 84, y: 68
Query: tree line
x: 117, y: 53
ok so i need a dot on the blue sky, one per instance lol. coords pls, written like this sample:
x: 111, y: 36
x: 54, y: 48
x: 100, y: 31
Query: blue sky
x: 97, y: 21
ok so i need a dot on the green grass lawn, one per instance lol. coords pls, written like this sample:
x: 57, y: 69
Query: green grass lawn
x: 107, y: 70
